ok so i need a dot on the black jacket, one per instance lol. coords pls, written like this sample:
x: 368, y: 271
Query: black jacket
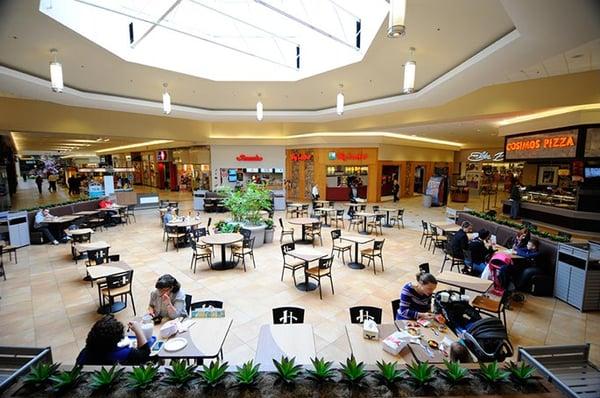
x: 478, y: 251
x: 459, y: 243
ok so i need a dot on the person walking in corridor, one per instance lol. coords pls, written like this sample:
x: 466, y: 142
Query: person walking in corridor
x: 395, y: 190
x: 52, y: 179
x: 38, y: 182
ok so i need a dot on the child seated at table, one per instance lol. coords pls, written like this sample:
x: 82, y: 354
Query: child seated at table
x: 459, y: 353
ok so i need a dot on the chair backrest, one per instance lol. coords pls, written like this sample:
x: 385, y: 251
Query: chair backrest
x: 400, y: 213
x: 362, y: 207
x: 379, y: 217
x: 434, y: 230
x: 188, y: 303
x: 281, y: 223
x: 131, y: 208
x: 325, y: 263
x: 361, y: 313
x: 245, y: 233
x: 206, y: 304
x: 331, y: 203
x: 286, y: 247
x: 173, y: 204
x: 194, y: 246
x: 378, y: 245
x: 208, y: 223
x: 287, y: 315
x: 316, y: 226
x: 424, y: 268
x: 425, y: 226
x: 497, y: 287
x: 171, y: 229
x: 114, y: 258
x: 119, y: 280
x: 467, y: 255
x: 339, y: 213
x: 336, y: 234
x: 305, y: 207
x: 375, y: 208
x: 82, y: 238
x: 98, y: 256
x: 199, y: 232
x: 395, y: 307
x: 248, y: 243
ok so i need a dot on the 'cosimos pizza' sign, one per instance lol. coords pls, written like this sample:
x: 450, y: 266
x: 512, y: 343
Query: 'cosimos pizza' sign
x: 560, y: 144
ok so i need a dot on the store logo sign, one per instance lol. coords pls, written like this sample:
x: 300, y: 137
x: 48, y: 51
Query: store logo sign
x: 248, y: 158
x: 343, y: 156
x: 485, y: 155
x: 300, y: 157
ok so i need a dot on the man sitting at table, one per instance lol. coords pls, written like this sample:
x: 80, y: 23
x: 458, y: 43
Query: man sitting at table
x: 40, y: 226
x: 480, y: 248
x: 415, y: 298
x: 106, y: 203
x: 102, y: 344
x: 460, y: 241
x: 169, y: 215
x: 168, y: 300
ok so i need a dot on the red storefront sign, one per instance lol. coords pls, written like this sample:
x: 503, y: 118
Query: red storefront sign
x: 248, y: 158
x: 343, y: 156
x: 300, y: 157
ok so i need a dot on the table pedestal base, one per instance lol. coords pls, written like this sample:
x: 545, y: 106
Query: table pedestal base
x: 111, y: 309
x: 223, y: 265
x: 356, y: 265
x: 306, y: 286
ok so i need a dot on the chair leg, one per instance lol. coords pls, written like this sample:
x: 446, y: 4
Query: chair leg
x: 320, y: 292
x: 132, y: 302
x: 381, y: 258
x: 443, y: 263
x: 253, y: 262
x: 282, y: 271
x: 331, y: 281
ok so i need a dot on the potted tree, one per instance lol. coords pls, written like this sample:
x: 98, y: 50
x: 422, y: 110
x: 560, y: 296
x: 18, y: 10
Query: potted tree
x: 246, y: 206
x: 269, y: 231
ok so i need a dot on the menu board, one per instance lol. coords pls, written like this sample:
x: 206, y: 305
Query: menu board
x: 592, y: 143
x: 559, y: 144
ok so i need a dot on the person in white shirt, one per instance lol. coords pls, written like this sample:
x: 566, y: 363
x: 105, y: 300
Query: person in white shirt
x: 40, y: 226
x: 315, y: 192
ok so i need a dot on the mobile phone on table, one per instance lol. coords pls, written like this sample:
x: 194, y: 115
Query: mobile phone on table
x: 156, y: 347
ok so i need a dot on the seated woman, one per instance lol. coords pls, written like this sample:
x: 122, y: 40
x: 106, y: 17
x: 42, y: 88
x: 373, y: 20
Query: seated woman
x: 101, y: 344
x: 480, y: 248
x: 522, y: 238
x: 415, y: 298
x: 168, y: 300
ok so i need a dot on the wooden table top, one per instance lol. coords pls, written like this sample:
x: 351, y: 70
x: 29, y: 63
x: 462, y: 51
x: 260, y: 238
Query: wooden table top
x: 61, y: 219
x: 87, y: 212
x: 205, y: 338
x: 292, y: 340
x: 113, y: 207
x: 427, y: 333
x: 357, y: 239
x: 103, y: 270
x: 307, y: 255
x: 222, y: 239
x: 83, y: 247
x: 371, y: 351
x: 79, y: 231
x: 322, y: 201
x: 185, y: 223
x: 447, y: 226
x: 365, y: 214
x: 325, y: 209
x: 507, y: 251
x: 387, y: 209
x: 303, y: 220
x: 296, y: 204
x: 467, y: 282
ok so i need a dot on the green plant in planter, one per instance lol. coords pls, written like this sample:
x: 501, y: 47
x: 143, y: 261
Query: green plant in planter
x: 269, y: 222
x: 521, y: 373
x: 104, y: 379
x: 247, y: 374
x: 247, y: 203
x: 227, y: 227
x: 287, y: 370
x: 180, y: 374
x: 421, y: 373
x: 492, y: 373
x: 40, y: 374
x: 353, y: 372
x: 141, y: 377
x: 66, y: 380
x: 322, y: 371
x: 388, y: 372
x: 454, y: 373
x: 214, y: 373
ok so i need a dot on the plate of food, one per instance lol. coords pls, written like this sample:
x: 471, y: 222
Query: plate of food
x: 413, y: 332
x: 412, y: 324
x: 442, y: 328
x: 433, y: 344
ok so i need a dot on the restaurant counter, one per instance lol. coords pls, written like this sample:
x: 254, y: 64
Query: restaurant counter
x: 343, y: 193
x: 575, y: 220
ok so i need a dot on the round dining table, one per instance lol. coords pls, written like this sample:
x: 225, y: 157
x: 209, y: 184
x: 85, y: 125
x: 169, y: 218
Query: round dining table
x: 222, y: 240
x: 304, y: 221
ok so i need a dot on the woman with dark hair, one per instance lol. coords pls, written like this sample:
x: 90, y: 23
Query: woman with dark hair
x: 415, y: 298
x: 101, y: 345
x: 481, y: 248
x: 522, y: 238
x: 168, y: 300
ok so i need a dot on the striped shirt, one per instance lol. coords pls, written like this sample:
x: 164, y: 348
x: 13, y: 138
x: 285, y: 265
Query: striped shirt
x: 412, y: 302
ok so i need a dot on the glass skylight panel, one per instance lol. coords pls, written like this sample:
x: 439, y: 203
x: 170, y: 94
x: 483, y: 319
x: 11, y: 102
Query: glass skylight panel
x: 243, y: 40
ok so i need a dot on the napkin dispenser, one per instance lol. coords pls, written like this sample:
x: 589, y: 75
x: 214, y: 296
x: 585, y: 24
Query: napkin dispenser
x: 370, y: 330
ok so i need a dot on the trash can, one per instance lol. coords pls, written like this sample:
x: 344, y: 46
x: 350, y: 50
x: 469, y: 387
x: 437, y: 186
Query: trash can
x: 427, y: 200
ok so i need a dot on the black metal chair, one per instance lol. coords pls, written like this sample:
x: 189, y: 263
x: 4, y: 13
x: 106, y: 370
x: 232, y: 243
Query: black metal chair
x: 361, y: 313
x: 323, y: 270
x: 339, y: 216
x: 206, y: 304
x: 468, y: 262
x: 398, y: 218
x: 118, y: 285
x: 426, y: 234
x: 285, y: 232
x: 492, y: 307
x: 450, y: 256
x: 372, y: 253
x: 79, y: 238
x: 200, y: 253
x: 395, y: 308
x: 173, y: 234
x: 288, y: 315
x: 313, y: 232
x: 290, y: 262
x: 424, y: 268
x: 131, y: 213
x: 247, y: 249
x: 376, y: 223
x: 188, y: 304
x: 340, y: 246
x: 438, y: 240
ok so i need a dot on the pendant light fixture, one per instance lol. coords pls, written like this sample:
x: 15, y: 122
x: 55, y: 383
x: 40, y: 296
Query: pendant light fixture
x: 56, y: 74
x: 410, y: 68
x: 340, y: 101
x: 259, y: 109
x: 397, y: 14
x: 166, y: 100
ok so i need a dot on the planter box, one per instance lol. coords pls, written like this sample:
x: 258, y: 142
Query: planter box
x: 257, y: 232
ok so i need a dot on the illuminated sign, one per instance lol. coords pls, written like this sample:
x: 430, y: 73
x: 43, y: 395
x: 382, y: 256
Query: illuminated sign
x: 300, y: 157
x: 248, y: 158
x: 343, y: 156
x: 485, y: 155
x: 560, y: 144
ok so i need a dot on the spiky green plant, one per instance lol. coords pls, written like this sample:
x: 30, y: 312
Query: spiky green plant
x: 287, y: 370
x: 40, y: 374
x: 66, y: 380
x: 321, y: 371
x: 214, y: 373
x: 454, y: 373
x: 353, y: 372
x: 492, y: 373
x: 421, y: 373
x: 141, y: 377
x: 388, y: 372
x: 104, y: 379
x: 180, y: 374
x: 247, y: 374
x: 520, y: 372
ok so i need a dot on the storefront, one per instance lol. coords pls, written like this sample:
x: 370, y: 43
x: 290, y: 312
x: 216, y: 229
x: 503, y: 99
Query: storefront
x: 561, y: 176
x: 335, y: 171
x: 193, y: 168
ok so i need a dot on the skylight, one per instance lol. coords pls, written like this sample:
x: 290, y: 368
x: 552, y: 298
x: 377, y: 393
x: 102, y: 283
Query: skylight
x: 228, y: 40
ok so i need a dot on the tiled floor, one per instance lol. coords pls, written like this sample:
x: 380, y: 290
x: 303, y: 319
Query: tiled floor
x: 45, y: 302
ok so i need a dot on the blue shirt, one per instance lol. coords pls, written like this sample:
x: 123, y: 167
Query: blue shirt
x: 167, y: 218
x: 411, y: 303
x: 525, y: 252
x: 39, y: 217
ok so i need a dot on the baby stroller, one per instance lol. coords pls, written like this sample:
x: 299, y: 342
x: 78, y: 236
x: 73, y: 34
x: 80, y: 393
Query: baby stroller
x: 488, y: 340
